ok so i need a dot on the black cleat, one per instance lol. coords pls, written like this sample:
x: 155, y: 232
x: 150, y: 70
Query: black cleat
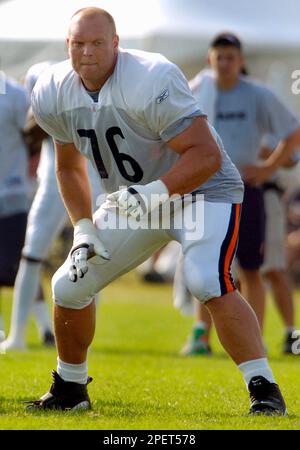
x: 64, y: 395
x: 266, y: 398
x: 48, y: 339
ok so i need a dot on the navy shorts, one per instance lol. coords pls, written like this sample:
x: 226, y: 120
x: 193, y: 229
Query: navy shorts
x: 12, y: 236
x: 250, y: 250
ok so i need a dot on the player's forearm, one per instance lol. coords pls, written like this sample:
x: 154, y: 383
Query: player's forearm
x: 190, y: 171
x: 75, y: 190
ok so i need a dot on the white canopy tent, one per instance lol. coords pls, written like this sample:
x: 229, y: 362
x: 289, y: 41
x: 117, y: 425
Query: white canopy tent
x: 35, y: 30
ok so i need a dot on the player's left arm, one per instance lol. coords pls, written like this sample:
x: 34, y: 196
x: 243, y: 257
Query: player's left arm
x: 200, y: 155
x: 200, y: 158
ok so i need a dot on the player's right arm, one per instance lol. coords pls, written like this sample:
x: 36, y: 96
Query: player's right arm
x: 72, y: 176
x: 73, y: 181
x: 74, y: 186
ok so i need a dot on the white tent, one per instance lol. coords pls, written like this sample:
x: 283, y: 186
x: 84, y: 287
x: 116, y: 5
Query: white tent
x: 34, y: 30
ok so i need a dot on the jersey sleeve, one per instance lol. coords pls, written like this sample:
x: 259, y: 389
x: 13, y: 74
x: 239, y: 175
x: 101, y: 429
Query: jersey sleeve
x: 171, y: 106
x: 274, y: 117
x: 44, y: 107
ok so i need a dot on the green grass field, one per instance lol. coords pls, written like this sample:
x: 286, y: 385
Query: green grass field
x: 140, y: 382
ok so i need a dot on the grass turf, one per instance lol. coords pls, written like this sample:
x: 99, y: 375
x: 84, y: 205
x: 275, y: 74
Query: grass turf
x: 140, y: 382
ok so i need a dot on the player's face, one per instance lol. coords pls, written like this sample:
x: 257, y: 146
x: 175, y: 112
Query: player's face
x: 93, y: 48
x: 227, y: 62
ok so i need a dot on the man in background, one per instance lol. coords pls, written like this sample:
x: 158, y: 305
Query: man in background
x: 243, y: 111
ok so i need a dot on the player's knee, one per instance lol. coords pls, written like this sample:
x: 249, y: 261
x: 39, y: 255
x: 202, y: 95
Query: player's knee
x: 201, y: 281
x: 68, y: 294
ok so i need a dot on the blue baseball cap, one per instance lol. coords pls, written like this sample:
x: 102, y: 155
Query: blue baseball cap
x: 226, y: 39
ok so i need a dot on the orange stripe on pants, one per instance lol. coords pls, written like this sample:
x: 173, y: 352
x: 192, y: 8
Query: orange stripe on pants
x: 229, y: 285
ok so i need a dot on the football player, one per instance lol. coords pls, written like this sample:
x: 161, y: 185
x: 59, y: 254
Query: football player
x: 46, y: 219
x: 148, y: 140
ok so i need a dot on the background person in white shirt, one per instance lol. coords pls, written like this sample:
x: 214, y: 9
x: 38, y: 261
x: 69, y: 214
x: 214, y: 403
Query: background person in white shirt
x: 46, y: 219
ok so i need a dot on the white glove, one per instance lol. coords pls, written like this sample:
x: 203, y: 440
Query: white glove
x: 138, y: 200
x: 86, y: 244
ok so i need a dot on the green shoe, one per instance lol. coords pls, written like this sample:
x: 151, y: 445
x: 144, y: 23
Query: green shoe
x: 197, y: 344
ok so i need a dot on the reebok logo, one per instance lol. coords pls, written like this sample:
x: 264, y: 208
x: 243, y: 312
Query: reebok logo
x: 162, y: 96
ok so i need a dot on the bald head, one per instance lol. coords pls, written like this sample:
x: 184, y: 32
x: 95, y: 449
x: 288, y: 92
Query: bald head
x: 93, y: 46
x: 92, y: 13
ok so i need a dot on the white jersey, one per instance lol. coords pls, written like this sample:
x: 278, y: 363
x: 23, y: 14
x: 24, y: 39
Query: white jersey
x: 145, y: 103
x: 14, y: 181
